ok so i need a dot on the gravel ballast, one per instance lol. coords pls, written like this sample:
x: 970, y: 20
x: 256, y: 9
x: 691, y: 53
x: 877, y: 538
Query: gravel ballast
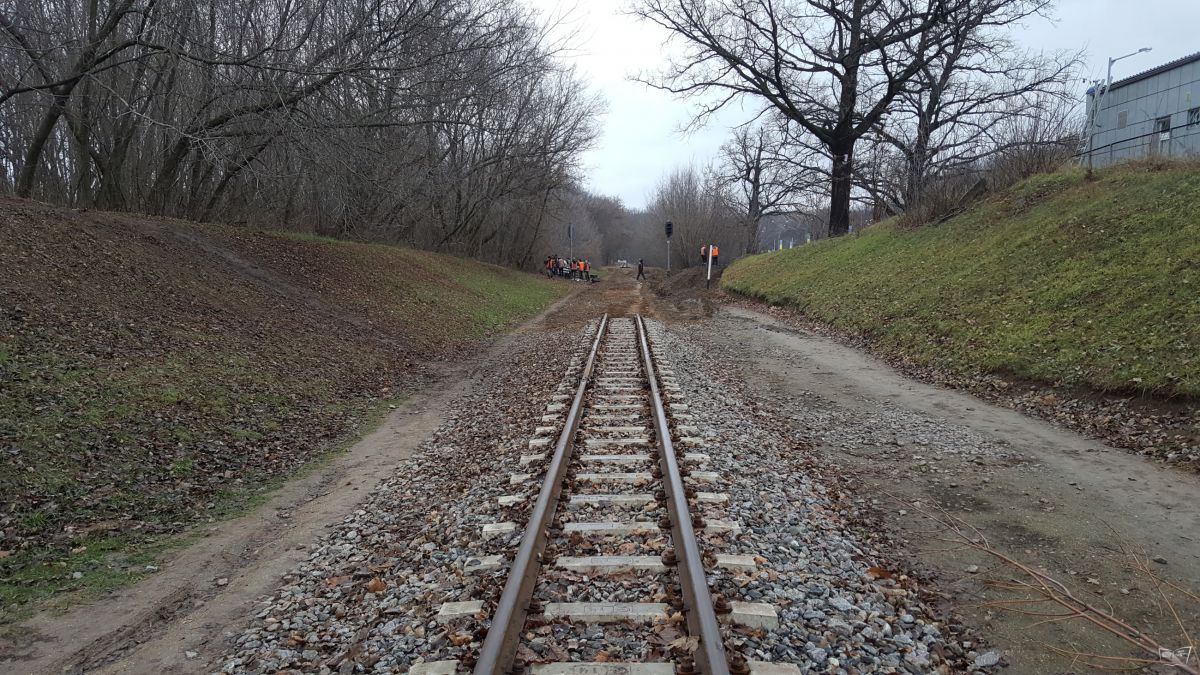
x: 836, y: 613
x: 367, y: 598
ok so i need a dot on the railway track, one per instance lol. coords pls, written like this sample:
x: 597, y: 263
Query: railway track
x: 609, y: 575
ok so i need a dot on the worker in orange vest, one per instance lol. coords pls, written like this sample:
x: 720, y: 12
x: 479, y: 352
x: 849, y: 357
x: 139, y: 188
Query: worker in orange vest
x: 716, y: 250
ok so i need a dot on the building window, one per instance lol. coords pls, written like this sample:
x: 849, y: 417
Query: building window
x: 1160, y: 140
x: 1122, y: 119
x: 1194, y: 116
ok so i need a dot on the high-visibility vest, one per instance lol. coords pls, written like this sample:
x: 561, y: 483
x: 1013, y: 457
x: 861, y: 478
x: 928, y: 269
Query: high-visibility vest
x: 715, y: 250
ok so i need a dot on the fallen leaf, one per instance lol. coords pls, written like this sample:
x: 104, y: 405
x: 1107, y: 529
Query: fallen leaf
x: 688, y: 643
x: 556, y: 653
x: 668, y: 633
x: 602, y: 656
x: 878, y: 573
x: 334, y: 582
x: 376, y: 585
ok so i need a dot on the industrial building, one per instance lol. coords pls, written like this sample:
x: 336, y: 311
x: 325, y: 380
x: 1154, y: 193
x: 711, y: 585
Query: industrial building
x: 1152, y: 113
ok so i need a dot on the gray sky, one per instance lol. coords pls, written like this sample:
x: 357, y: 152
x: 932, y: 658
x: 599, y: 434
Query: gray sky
x: 641, y: 137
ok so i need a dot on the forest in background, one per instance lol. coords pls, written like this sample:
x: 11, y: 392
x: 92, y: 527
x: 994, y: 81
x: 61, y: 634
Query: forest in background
x: 449, y: 125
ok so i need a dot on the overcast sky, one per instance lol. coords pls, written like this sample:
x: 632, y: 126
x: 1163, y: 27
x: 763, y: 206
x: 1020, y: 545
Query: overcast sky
x: 641, y: 139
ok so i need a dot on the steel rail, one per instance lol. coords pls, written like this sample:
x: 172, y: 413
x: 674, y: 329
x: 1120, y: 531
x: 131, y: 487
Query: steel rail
x: 500, y: 646
x: 701, y: 615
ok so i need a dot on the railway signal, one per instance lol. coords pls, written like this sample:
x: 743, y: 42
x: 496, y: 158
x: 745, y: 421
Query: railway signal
x: 670, y: 229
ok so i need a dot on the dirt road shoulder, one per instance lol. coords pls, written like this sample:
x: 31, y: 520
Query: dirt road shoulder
x: 1065, y: 503
x: 154, y: 625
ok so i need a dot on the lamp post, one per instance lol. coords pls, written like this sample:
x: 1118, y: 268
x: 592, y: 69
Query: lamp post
x: 1099, y: 98
x: 1112, y: 61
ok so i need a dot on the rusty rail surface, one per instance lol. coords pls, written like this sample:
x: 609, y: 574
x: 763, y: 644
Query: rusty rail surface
x: 698, y: 602
x: 500, y: 646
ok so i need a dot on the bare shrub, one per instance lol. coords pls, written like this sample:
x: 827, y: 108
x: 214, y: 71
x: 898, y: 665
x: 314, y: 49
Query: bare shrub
x: 1033, y: 145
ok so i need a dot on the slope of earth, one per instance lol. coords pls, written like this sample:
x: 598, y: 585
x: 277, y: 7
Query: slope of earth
x: 1082, y: 284
x: 158, y: 373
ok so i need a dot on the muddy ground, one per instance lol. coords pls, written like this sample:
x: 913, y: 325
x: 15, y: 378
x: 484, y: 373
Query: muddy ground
x: 1050, y: 498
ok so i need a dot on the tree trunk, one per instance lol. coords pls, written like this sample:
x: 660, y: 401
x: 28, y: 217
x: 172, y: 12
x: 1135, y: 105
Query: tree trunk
x: 537, y: 230
x: 918, y: 165
x: 754, y: 209
x: 33, y: 156
x: 62, y: 94
x: 840, y: 185
x: 165, y: 183
x: 751, y: 235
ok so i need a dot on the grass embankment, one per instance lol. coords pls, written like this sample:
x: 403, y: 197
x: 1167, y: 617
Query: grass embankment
x: 1061, y: 280
x: 154, y: 374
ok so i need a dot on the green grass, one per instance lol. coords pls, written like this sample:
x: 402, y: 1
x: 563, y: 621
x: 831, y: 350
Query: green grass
x: 494, y: 305
x: 46, y: 578
x: 469, y: 298
x: 1060, y: 280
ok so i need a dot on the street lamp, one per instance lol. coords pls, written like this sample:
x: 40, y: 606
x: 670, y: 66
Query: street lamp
x: 1111, y: 61
x: 1099, y: 98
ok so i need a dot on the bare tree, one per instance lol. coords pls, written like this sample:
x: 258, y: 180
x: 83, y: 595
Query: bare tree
x: 443, y: 123
x: 766, y: 178
x: 832, y: 67
x: 978, y: 85
x: 55, y: 64
x: 701, y: 207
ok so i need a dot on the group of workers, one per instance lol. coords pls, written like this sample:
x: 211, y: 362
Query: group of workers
x: 579, y: 269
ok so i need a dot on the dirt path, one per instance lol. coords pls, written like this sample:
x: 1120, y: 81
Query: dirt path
x: 174, y: 621
x: 154, y: 625
x: 1065, y: 503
